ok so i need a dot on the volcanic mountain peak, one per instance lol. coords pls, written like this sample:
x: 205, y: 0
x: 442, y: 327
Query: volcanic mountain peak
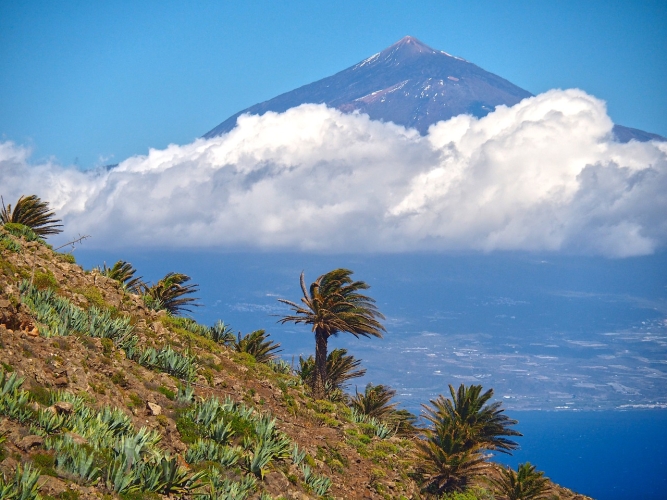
x: 410, y: 84
x: 407, y: 49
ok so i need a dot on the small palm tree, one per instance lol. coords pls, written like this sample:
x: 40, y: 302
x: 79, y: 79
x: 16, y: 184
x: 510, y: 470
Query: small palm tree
x: 332, y: 305
x: 525, y: 483
x: 375, y: 401
x: 258, y: 345
x: 169, y: 293
x: 447, y: 461
x: 341, y: 368
x: 123, y: 272
x: 32, y: 212
x: 486, y: 425
x: 463, y: 428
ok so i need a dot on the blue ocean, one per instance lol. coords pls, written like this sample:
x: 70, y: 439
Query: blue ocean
x: 618, y: 455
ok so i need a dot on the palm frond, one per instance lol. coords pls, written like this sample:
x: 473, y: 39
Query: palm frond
x: 123, y: 272
x: 170, y: 293
x: 375, y: 401
x: 525, y: 483
x: 332, y: 304
x: 341, y: 368
x: 258, y: 345
x: 32, y: 212
x: 462, y: 429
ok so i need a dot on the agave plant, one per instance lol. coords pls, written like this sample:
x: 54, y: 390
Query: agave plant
x: 525, y: 483
x: 192, y: 326
x: 170, y: 292
x: 167, y: 477
x: 221, y: 488
x: 221, y: 333
x: 32, y: 212
x: 121, y: 477
x: 206, y: 411
x: 380, y: 429
x: 280, y: 366
x: 319, y: 484
x: 10, y: 384
x: 183, y: 366
x: 220, y: 431
x: 23, y: 487
x: 47, y: 422
x: 13, y: 400
x: 168, y: 360
x: 78, y: 402
x: 297, y: 455
x: 258, y: 345
x: 264, y: 452
x: 205, y: 450
x: 117, y: 421
x: 185, y: 394
x: 10, y: 244
x: 75, y: 459
x: 61, y: 317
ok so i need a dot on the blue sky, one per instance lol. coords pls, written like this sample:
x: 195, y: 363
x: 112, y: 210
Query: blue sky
x: 94, y: 82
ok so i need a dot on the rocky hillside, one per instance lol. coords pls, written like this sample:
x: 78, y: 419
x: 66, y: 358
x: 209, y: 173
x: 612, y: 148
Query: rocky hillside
x: 101, y: 397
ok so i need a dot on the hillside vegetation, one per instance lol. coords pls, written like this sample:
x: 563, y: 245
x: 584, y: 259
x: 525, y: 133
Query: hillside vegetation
x: 105, y: 392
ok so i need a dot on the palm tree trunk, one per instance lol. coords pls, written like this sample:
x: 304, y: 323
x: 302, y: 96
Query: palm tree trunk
x: 320, y: 378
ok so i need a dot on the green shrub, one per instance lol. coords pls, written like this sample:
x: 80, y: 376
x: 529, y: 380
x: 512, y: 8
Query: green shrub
x: 107, y: 347
x: 93, y: 295
x: 45, y: 463
x: 67, y: 257
x: 168, y: 393
x: 135, y: 401
x: 468, y: 494
x: 119, y: 379
x: 21, y: 231
x: 187, y: 429
x: 40, y: 394
x: 45, y: 280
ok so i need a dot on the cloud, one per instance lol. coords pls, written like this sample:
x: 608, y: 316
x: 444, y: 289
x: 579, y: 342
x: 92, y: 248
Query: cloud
x: 541, y: 175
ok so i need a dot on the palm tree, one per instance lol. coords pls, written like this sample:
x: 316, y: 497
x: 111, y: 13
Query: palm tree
x: 485, y: 425
x: 123, y: 272
x: 32, y: 212
x: 447, y: 461
x: 341, y: 367
x: 523, y: 484
x: 169, y: 293
x: 375, y: 401
x: 258, y: 345
x: 332, y: 305
x: 463, y: 428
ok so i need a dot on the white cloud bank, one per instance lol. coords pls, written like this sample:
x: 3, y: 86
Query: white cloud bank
x: 541, y: 175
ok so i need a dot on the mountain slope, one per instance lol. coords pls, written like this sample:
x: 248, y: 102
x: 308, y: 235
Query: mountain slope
x: 410, y: 84
x: 86, y: 404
